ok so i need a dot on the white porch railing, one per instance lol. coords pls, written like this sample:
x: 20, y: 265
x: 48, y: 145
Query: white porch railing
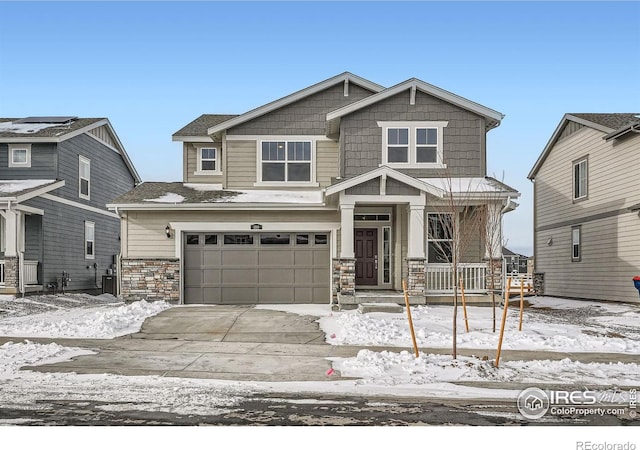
x: 30, y: 272
x: 438, y: 279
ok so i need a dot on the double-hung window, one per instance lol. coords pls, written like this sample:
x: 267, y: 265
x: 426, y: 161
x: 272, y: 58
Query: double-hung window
x: 286, y: 161
x: 84, y: 175
x: 576, y: 243
x: 208, y: 161
x: 19, y: 155
x: 409, y: 144
x: 440, y: 238
x: 580, y: 172
x: 89, y: 240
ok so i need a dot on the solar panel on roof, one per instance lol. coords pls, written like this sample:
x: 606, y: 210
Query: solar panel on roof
x: 47, y: 119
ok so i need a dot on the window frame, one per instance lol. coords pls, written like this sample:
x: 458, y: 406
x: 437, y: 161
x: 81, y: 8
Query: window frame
x: 217, y: 161
x: 576, y: 165
x: 430, y: 239
x: 84, y: 160
x: 413, y: 127
x: 578, y: 245
x: 287, y: 140
x: 89, y: 225
x: 12, y: 149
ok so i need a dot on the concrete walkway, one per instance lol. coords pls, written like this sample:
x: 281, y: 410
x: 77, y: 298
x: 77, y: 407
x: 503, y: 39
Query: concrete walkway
x: 241, y: 343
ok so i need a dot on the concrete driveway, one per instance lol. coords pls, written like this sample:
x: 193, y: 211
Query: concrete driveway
x: 223, y: 342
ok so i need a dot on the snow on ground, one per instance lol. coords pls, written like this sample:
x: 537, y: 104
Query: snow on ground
x: 74, y: 316
x: 574, y: 326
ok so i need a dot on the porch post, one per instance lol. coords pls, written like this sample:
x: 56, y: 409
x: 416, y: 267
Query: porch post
x: 344, y: 267
x: 494, y: 238
x: 11, y: 260
x: 346, y: 231
x: 415, y: 249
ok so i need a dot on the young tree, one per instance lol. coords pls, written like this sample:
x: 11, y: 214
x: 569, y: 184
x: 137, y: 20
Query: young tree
x: 453, y: 230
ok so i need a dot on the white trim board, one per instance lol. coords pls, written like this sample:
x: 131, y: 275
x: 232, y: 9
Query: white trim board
x: 64, y: 201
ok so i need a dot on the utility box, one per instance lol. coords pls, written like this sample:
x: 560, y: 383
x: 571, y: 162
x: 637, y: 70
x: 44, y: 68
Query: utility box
x: 636, y: 283
x: 110, y: 284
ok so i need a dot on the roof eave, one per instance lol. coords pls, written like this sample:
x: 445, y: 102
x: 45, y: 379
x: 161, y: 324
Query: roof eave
x: 213, y: 205
x: 191, y: 138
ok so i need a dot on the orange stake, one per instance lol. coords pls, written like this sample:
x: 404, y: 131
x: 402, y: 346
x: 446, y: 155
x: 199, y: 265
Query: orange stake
x: 521, y: 301
x: 413, y: 333
x: 504, y: 319
x: 464, y: 305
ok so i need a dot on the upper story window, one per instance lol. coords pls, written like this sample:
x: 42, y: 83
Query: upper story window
x: 285, y: 162
x: 413, y: 144
x: 84, y: 175
x: 580, y: 173
x: 208, y: 161
x: 19, y: 155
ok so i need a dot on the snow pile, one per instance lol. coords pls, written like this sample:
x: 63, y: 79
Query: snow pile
x: 169, y: 197
x: 259, y: 196
x: 101, y: 322
x: 390, y: 368
x: 433, y: 329
x: 12, y: 186
x: 25, y: 128
x: 13, y: 356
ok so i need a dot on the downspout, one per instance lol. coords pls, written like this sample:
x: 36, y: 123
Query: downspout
x: 119, y: 259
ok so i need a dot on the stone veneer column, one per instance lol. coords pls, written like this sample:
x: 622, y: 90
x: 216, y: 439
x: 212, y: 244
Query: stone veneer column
x: 151, y: 279
x: 344, y: 277
x: 11, y: 273
x: 416, y: 276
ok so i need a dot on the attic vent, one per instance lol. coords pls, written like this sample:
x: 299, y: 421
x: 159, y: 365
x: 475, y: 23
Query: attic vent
x: 60, y: 120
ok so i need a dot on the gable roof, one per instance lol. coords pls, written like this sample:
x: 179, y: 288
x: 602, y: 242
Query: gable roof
x: 345, y: 77
x: 388, y: 172
x: 493, y: 117
x: 197, y: 130
x: 21, y: 190
x: 613, y: 124
x: 51, y: 129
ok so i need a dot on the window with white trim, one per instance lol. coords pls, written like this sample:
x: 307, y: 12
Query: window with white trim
x: 286, y: 161
x: 576, y: 243
x: 89, y: 240
x: 413, y: 143
x: 580, y: 188
x: 439, y: 238
x: 84, y: 175
x: 19, y: 155
x: 208, y: 161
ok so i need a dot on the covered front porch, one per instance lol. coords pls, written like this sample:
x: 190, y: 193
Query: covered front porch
x: 397, y: 228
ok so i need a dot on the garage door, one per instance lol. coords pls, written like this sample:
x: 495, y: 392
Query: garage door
x: 233, y: 268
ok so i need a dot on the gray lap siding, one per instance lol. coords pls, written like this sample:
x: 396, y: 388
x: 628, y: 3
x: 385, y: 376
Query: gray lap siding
x: 43, y: 163
x: 64, y: 244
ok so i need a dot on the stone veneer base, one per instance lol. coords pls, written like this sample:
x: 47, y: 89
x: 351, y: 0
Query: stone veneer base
x: 150, y: 279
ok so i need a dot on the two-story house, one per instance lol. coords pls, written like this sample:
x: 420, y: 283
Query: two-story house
x: 586, y: 206
x: 319, y: 195
x: 56, y: 176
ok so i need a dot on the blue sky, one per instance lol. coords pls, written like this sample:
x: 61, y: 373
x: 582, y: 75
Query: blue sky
x: 152, y: 67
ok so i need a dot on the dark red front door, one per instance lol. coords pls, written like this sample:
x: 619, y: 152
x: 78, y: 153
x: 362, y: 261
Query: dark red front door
x: 366, y: 250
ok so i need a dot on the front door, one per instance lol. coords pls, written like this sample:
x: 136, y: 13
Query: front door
x: 366, y: 251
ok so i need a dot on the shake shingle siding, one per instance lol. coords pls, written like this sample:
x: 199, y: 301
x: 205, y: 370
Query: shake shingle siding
x: 109, y: 174
x: 304, y: 117
x: 463, y: 138
x: 43, y: 163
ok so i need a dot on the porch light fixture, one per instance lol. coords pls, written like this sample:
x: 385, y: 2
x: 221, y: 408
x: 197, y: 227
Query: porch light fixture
x: 167, y: 231
x: 550, y: 241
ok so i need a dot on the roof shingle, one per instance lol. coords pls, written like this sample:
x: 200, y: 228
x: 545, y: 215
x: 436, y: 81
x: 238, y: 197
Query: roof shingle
x: 200, y: 126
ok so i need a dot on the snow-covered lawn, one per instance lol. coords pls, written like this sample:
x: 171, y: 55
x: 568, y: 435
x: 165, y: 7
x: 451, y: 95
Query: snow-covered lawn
x: 550, y: 324
x: 73, y: 316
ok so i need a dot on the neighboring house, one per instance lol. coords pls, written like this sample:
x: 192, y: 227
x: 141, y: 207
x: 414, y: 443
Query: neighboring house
x: 56, y: 176
x: 586, y: 205
x: 316, y: 196
x: 514, y: 262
